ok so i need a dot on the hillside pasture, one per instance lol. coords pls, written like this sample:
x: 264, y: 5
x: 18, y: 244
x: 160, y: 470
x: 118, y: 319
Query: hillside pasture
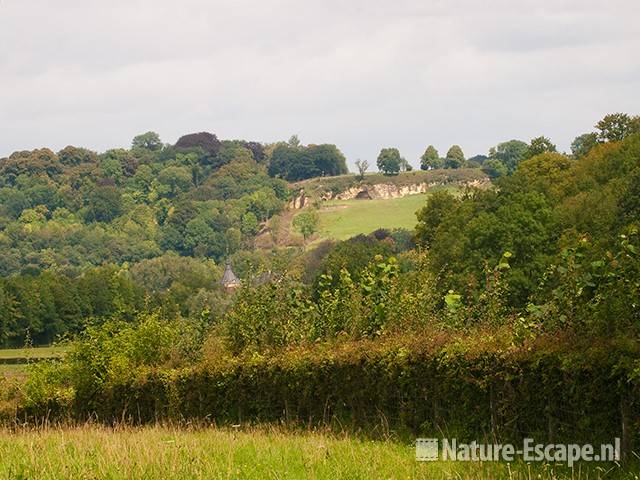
x: 342, y: 219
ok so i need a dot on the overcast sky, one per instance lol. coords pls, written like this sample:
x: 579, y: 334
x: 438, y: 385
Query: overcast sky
x: 363, y: 74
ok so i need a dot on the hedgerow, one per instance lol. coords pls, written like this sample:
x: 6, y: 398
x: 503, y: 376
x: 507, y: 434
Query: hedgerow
x: 481, y: 385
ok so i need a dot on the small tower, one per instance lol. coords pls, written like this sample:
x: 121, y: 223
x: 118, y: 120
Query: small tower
x: 229, y: 280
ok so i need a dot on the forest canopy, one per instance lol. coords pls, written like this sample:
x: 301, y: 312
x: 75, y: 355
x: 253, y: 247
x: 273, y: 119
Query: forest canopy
x: 89, y: 236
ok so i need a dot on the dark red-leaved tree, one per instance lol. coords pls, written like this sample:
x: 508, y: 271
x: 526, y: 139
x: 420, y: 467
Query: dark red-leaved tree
x: 205, y: 140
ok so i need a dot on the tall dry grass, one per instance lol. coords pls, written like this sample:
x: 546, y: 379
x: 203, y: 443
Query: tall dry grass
x: 168, y: 452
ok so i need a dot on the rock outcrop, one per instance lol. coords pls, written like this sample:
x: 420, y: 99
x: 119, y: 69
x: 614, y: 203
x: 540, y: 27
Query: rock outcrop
x: 299, y: 201
x: 381, y: 191
x: 385, y: 191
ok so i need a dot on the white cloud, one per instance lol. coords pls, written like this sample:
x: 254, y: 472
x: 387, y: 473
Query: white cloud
x: 361, y: 74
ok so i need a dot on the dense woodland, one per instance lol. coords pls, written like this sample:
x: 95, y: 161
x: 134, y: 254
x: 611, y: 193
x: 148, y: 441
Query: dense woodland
x: 87, y: 237
x: 125, y: 249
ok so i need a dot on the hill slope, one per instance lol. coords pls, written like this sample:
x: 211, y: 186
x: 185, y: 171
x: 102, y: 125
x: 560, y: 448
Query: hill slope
x: 342, y: 219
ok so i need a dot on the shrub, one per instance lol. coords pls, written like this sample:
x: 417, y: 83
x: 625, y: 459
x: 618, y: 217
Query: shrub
x: 106, y: 356
x: 474, y: 386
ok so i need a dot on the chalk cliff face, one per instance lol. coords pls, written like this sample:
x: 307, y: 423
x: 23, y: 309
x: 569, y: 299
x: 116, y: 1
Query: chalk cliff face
x: 380, y: 191
x: 299, y: 201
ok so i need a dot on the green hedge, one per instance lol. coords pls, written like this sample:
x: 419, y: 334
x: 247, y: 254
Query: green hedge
x: 547, y: 391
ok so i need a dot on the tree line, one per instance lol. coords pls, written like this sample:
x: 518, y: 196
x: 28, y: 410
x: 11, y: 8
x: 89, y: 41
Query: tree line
x: 504, y: 158
x: 155, y: 222
x: 76, y: 208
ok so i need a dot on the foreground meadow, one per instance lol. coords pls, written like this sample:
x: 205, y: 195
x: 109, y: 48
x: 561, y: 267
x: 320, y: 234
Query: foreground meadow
x: 165, y: 452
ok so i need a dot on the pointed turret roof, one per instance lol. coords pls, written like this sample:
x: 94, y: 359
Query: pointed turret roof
x: 229, y: 278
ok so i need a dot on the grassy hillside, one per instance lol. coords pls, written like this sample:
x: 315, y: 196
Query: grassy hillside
x: 344, y: 219
x: 160, y: 453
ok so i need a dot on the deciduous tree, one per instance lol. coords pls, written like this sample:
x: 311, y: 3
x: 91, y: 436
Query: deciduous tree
x: 510, y: 153
x: 149, y: 140
x: 614, y: 127
x: 455, y: 157
x: 306, y: 223
x: 540, y: 145
x: 362, y: 166
x: 582, y: 144
x: 389, y: 161
x: 430, y: 159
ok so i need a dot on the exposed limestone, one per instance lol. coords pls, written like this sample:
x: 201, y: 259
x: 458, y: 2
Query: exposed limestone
x: 377, y: 191
x: 382, y: 191
x: 299, y: 201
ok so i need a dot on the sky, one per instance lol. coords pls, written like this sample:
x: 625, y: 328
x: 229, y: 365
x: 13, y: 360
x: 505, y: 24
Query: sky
x: 362, y: 74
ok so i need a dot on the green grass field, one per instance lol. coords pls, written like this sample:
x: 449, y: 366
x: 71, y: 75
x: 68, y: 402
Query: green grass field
x: 344, y: 219
x: 32, y: 352
x: 14, y: 361
x: 162, y: 453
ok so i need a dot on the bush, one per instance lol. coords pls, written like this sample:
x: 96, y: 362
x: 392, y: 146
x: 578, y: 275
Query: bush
x: 470, y: 387
x: 105, y: 357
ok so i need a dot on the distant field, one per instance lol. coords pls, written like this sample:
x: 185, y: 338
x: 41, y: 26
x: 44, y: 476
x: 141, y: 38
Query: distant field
x: 14, y: 361
x: 32, y: 352
x: 161, y: 453
x: 344, y: 219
